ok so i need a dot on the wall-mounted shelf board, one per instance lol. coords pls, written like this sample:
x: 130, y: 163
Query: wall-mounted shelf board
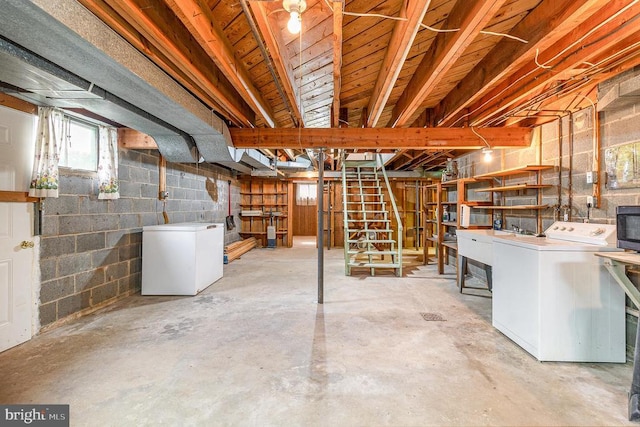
x: 513, y: 187
x: 513, y: 207
x: 514, y: 171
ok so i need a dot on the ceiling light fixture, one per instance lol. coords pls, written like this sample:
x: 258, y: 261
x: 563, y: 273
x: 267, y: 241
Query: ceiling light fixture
x: 488, y: 154
x: 486, y: 151
x: 295, y: 9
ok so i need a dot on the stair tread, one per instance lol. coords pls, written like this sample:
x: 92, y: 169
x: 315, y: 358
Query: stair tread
x: 376, y: 230
x: 371, y: 241
x: 367, y: 211
x: 366, y: 252
x: 366, y: 203
x: 373, y: 264
x: 368, y: 220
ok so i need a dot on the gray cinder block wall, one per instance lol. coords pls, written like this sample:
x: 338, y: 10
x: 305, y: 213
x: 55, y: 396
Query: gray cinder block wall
x: 91, y: 250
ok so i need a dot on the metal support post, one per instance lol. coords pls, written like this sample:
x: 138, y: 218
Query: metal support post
x: 320, y: 226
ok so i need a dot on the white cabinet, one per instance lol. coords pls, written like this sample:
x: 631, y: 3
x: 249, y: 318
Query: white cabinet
x: 181, y: 259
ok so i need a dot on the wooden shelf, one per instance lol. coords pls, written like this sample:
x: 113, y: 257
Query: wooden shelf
x: 272, y: 200
x: 514, y: 171
x: 513, y: 207
x: 263, y: 204
x: 450, y: 244
x: 261, y: 233
x: 513, y: 187
x: 477, y: 203
x: 250, y: 193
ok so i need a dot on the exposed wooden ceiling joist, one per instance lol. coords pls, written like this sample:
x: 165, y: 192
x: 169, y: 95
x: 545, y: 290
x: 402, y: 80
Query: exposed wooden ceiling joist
x: 126, y: 30
x: 380, y: 138
x: 160, y: 26
x: 281, y: 60
x: 540, y: 28
x: 218, y: 51
x: 197, y: 16
x: 402, y: 39
x: 337, y: 63
x: 470, y: 17
x: 596, y: 36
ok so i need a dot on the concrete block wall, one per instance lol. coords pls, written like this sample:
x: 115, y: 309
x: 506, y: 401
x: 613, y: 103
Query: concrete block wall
x: 91, y: 250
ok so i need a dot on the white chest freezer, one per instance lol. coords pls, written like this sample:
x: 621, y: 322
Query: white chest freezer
x: 181, y: 259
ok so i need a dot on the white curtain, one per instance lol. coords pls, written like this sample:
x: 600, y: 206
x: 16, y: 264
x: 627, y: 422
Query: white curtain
x: 108, y: 163
x: 306, y: 194
x: 53, y: 129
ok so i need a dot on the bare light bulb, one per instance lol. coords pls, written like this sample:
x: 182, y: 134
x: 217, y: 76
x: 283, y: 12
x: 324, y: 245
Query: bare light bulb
x: 295, y: 23
x: 487, y: 154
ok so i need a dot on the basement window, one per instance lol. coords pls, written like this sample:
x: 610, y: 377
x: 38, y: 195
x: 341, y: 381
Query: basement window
x: 306, y: 194
x: 81, y: 149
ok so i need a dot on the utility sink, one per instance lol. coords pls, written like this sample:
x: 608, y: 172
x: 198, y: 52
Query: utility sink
x: 476, y: 244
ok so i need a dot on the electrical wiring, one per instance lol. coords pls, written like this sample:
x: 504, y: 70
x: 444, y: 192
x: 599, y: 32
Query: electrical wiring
x: 579, y: 81
x: 373, y: 15
x: 542, y: 65
x: 509, y: 36
x: 480, y: 136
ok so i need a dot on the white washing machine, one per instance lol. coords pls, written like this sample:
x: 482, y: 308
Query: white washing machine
x: 555, y: 299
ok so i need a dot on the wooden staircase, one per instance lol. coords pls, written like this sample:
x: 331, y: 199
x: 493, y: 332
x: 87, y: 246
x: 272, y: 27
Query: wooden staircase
x: 369, y: 236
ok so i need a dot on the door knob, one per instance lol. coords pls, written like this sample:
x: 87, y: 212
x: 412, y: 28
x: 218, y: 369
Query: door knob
x: 26, y: 244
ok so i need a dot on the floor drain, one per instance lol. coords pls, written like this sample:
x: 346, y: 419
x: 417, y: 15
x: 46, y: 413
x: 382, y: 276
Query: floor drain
x: 433, y: 317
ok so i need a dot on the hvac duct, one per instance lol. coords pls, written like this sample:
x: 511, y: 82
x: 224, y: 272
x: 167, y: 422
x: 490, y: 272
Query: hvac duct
x: 106, y: 75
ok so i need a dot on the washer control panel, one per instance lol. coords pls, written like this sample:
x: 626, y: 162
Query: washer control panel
x: 595, y: 234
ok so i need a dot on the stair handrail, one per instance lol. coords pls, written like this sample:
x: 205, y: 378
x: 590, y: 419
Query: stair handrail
x: 395, y: 211
x: 345, y: 221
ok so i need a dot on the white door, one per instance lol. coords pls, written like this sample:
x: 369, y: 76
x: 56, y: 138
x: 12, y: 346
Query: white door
x: 16, y: 219
x: 16, y: 277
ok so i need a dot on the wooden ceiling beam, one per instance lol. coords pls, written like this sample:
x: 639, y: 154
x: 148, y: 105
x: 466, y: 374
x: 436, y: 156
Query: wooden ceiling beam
x: 605, y: 33
x: 337, y: 63
x: 283, y: 64
x: 129, y: 33
x: 401, y: 41
x: 470, y: 16
x: 167, y: 38
x: 380, y: 138
x: 196, y: 15
x: 542, y: 27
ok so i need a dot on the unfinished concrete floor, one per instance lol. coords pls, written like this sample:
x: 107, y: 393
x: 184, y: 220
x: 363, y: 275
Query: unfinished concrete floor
x: 255, y: 349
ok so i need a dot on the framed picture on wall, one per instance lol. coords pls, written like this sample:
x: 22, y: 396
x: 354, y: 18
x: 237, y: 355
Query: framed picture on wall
x: 623, y: 166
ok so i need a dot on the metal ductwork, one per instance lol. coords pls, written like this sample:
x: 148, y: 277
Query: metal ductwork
x: 58, y: 53
x: 299, y: 163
